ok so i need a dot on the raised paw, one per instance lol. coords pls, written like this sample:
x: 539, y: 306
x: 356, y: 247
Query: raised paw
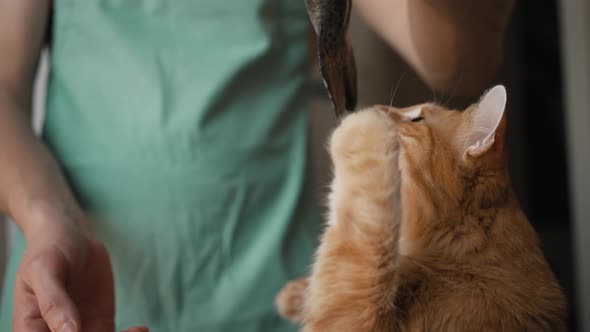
x: 363, y: 140
x: 290, y: 300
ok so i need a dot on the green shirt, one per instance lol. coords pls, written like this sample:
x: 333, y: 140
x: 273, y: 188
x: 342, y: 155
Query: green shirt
x: 182, y: 128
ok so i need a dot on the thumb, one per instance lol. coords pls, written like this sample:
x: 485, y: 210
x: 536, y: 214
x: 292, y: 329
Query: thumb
x: 47, y: 281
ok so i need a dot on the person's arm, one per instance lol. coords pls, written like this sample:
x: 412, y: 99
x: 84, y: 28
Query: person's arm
x: 31, y: 183
x: 456, y: 46
x: 64, y: 281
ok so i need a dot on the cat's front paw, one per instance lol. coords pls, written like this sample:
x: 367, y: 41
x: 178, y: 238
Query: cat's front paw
x: 362, y: 137
x: 290, y: 300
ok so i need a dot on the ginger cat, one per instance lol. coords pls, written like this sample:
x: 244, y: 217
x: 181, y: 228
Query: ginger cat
x: 424, y: 231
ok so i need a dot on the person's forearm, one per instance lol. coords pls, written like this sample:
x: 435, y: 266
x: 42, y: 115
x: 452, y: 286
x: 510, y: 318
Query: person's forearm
x: 455, y: 45
x: 32, y: 187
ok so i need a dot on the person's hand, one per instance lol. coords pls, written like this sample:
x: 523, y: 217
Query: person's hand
x: 64, y: 282
x: 137, y: 329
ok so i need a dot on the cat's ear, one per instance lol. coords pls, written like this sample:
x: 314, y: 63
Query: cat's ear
x: 486, y: 121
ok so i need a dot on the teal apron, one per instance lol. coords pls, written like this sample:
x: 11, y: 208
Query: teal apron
x: 182, y: 128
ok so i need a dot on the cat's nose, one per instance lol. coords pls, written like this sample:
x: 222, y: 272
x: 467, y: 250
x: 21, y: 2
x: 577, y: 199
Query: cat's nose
x: 401, y: 114
x: 392, y: 112
x: 386, y: 108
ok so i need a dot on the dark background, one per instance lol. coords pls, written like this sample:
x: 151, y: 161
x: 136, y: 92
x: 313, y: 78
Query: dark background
x: 535, y: 64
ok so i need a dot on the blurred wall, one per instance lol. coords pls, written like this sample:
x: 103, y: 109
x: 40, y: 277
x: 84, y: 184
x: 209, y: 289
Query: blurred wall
x: 575, y: 33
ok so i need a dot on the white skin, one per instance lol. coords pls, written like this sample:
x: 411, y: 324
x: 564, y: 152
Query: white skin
x: 455, y: 45
x: 34, y: 193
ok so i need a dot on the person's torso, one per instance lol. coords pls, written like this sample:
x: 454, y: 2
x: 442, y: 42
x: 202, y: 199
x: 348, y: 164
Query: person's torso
x: 181, y: 126
x: 217, y: 87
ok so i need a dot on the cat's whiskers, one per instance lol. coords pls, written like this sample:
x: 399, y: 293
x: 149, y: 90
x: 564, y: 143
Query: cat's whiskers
x: 395, y: 91
x: 452, y: 94
x: 433, y: 95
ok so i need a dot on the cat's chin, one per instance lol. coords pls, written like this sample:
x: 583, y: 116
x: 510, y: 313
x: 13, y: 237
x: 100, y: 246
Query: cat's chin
x: 369, y: 131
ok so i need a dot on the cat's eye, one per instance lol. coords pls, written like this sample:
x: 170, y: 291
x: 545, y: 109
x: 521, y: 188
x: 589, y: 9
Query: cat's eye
x: 418, y: 119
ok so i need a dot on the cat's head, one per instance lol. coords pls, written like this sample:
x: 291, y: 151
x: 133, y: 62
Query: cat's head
x: 443, y: 151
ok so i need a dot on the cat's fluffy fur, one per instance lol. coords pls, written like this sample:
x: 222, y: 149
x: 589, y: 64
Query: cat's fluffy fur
x: 424, y: 232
